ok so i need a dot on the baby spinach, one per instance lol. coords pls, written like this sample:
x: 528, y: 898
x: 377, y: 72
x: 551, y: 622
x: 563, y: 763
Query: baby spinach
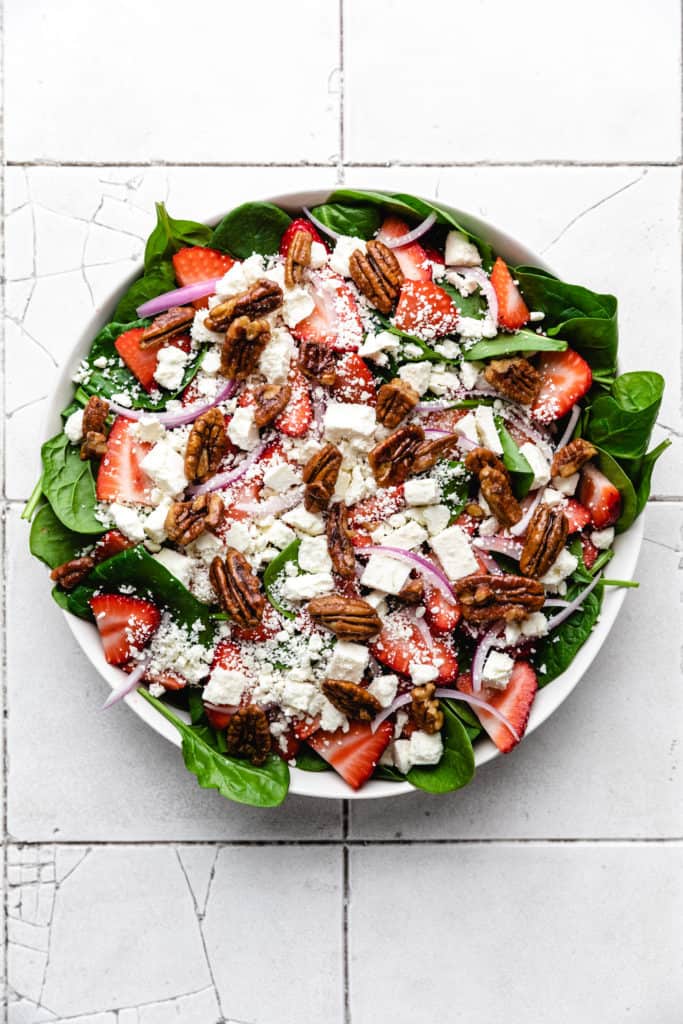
x: 640, y: 473
x: 454, y: 482
x: 259, y: 786
x: 272, y: 572
x: 508, y: 344
x: 555, y: 652
x: 521, y: 473
x: 621, y: 422
x: 473, y: 305
x: 250, y: 228
x: 629, y: 502
x: 69, y: 486
x: 466, y: 716
x: 154, y: 282
x: 52, y: 542
x: 34, y: 500
x: 361, y: 221
x: 456, y: 767
x: 309, y: 760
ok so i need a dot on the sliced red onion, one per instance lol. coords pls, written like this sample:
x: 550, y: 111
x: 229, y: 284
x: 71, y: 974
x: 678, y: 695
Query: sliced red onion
x: 521, y: 526
x: 130, y: 683
x: 319, y: 224
x: 491, y: 564
x: 490, y: 639
x: 437, y: 432
x: 436, y: 406
x: 503, y: 545
x: 177, y: 419
x: 476, y: 702
x: 223, y: 709
x: 572, y: 606
x: 555, y: 602
x: 272, y: 506
x: 569, y: 429
x: 487, y: 289
x: 217, y: 483
x: 399, y: 702
x: 423, y: 630
x: 435, y: 576
x: 178, y: 297
x: 410, y: 236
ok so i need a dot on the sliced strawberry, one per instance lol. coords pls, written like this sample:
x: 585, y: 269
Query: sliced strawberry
x: 111, y: 543
x: 434, y: 255
x: 335, y: 321
x: 120, y: 477
x: 292, y: 745
x: 440, y: 615
x: 267, y: 628
x: 401, y: 642
x: 298, y: 416
x: 300, y: 224
x: 467, y: 523
x: 218, y: 719
x: 576, y: 514
x: 412, y: 259
x: 169, y: 680
x: 360, y: 539
x: 444, y: 419
x: 305, y: 728
x: 228, y: 655
x: 125, y: 623
x: 354, y: 381
x: 589, y: 551
x: 353, y: 754
x: 377, y: 508
x: 197, y: 263
x: 241, y: 493
x: 565, y: 378
x: 142, y: 362
x: 514, y: 702
x: 425, y: 310
x: 513, y: 312
x: 600, y: 496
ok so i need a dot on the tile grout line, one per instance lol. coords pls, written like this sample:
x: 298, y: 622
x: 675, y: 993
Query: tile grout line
x: 351, y: 843
x: 346, y: 904
x: 3, y: 538
x: 387, y: 164
x: 342, y: 97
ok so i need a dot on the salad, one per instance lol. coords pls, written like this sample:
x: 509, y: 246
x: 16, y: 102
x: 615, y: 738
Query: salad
x: 338, y: 489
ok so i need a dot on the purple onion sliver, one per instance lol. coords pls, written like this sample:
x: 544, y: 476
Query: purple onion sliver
x: 410, y: 236
x: 405, y: 698
x: 435, y: 576
x: 178, y: 297
x: 572, y: 606
x: 176, y: 419
x: 131, y: 683
x: 569, y: 429
x: 521, y: 526
x: 490, y: 639
x: 319, y: 224
x: 216, y: 483
x: 476, y: 702
x: 503, y: 545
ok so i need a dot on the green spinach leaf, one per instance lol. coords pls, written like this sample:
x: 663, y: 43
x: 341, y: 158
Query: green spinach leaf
x: 473, y: 305
x: 640, y: 473
x: 622, y: 421
x: 521, y: 473
x: 310, y: 760
x: 508, y: 344
x: 52, y: 542
x: 250, y: 228
x: 555, y: 652
x: 362, y: 221
x: 456, y: 767
x: 614, y: 472
x: 154, y: 282
x: 69, y: 486
x: 454, y: 482
x: 273, y: 571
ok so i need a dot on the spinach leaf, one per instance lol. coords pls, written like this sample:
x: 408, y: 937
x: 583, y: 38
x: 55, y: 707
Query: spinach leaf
x: 521, y: 473
x: 466, y: 716
x: 640, y: 473
x: 69, y: 486
x: 454, y: 482
x: 154, y: 282
x: 555, y: 652
x: 241, y: 781
x: 272, y: 572
x: 52, y: 542
x: 473, y: 305
x: 388, y: 774
x: 507, y: 344
x: 61, y: 598
x: 310, y: 760
x: 456, y: 767
x: 358, y: 221
x: 250, y: 228
x: 622, y: 421
x: 34, y: 501
x: 614, y: 472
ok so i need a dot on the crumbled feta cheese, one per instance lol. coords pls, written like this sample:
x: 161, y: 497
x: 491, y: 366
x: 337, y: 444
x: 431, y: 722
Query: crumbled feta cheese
x: 469, y: 374
x: 467, y: 427
x: 278, y: 535
x: 532, y: 626
x: 470, y: 327
x: 448, y: 348
x: 566, y: 484
x: 452, y: 547
x: 307, y: 586
x: 384, y: 689
x: 100, y: 362
x: 539, y: 464
x: 343, y: 250
x: 297, y: 304
x: 417, y: 375
x: 377, y: 600
x: 225, y: 686
x: 497, y: 670
x: 121, y: 398
x: 361, y: 484
x: 166, y: 468
x: 200, y: 333
x: 421, y: 492
x: 242, y: 430
x: 313, y: 555
x: 349, y: 420
x: 563, y: 566
x: 299, y: 695
x: 171, y: 363
x: 442, y: 381
x: 421, y: 673
x: 175, y: 648
x: 179, y: 565
x: 603, y: 539
x: 349, y: 661
x: 331, y: 719
x: 425, y: 748
x: 73, y: 428
x: 401, y: 753
x: 486, y: 429
x: 489, y: 527
x: 409, y: 536
x: 127, y: 520
x: 460, y: 252
x: 436, y: 518
x: 303, y: 521
x: 148, y: 428
x: 280, y: 476
x: 378, y: 344
x: 239, y: 537
x: 552, y: 497
x: 535, y: 316
x: 211, y: 362
x: 276, y: 357
x: 318, y: 256
x: 385, y: 573
x: 155, y: 523
x: 241, y: 276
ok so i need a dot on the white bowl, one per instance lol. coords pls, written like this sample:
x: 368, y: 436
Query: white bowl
x: 327, y: 784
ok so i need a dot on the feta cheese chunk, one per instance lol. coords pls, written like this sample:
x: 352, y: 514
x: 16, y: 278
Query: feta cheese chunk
x: 421, y: 492
x: 603, y: 539
x: 552, y: 497
x: 460, y: 252
x: 425, y: 748
x: 452, y: 548
x: 179, y: 565
x: 421, y: 673
x: 378, y: 344
x: 384, y: 689
x: 486, y: 429
x: 304, y: 521
x: 436, y: 518
x: 409, y: 536
x: 467, y: 427
x: 225, y: 686
x: 497, y: 670
x: 297, y: 304
x: 73, y: 428
x: 532, y: 626
x: 469, y: 374
x: 442, y: 381
x: 239, y: 537
x: 348, y: 420
x: 166, y: 468
x: 307, y: 586
x: 385, y: 574
x: 211, y: 363
x: 148, y: 428
x: 200, y: 333
x: 400, y: 750
x: 242, y: 430
x: 127, y: 520
x: 280, y: 477
x: 417, y: 375
x: 343, y: 250
x: 276, y: 357
x: 563, y: 566
x: 299, y: 695
x: 566, y: 484
x: 278, y: 535
x: 349, y: 661
x: 314, y: 557
x: 155, y: 523
x: 539, y: 464
x: 318, y: 255
x: 171, y: 363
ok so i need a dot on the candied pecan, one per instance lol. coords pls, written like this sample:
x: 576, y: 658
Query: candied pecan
x: 425, y: 710
x: 478, y: 458
x: 94, y: 445
x: 352, y: 700
x: 485, y: 599
x: 428, y: 453
x: 187, y: 519
x: 377, y: 274
x: 413, y: 590
x: 320, y: 476
x: 351, y: 618
x: 248, y: 734
x: 317, y: 362
x: 71, y: 573
x: 394, y: 402
x: 94, y: 428
x: 474, y: 509
x: 243, y: 346
x: 298, y: 258
x: 391, y: 461
x: 496, y: 488
x: 571, y: 458
x: 514, y: 377
x: 271, y: 400
x: 170, y: 324
x: 238, y: 589
x: 546, y: 537
x: 260, y: 299
x: 339, y: 543
x: 206, y: 446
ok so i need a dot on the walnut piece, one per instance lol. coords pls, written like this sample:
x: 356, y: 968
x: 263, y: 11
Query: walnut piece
x: 298, y: 258
x: 391, y: 461
x: 485, y: 599
x: 320, y: 476
x: 271, y: 400
x: 206, y: 446
x: 394, y: 401
x: 351, y: 618
x: 260, y: 299
x: 428, y: 453
x: 425, y: 710
x: 171, y: 324
x: 186, y: 520
x: 352, y: 700
x: 94, y: 428
x: 238, y: 589
x: 339, y: 543
x: 545, y: 539
x: 514, y: 377
x: 71, y: 573
x: 495, y: 484
x: 572, y: 457
x: 317, y: 362
x: 243, y: 347
x: 377, y: 274
x: 248, y: 734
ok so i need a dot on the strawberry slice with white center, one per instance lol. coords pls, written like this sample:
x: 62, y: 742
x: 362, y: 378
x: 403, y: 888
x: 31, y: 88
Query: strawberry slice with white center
x: 300, y: 224
x: 441, y: 615
x: 426, y: 310
x: 120, y: 477
x: 565, y: 378
x: 354, y: 381
x: 401, y: 642
x: 125, y: 624
x: 335, y: 321
x: 576, y: 514
x: 111, y: 543
x: 514, y: 702
x: 353, y: 754
x: 513, y: 311
x: 142, y: 362
x: 589, y: 551
x: 372, y: 511
x: 600, y: 496
x: 197, y: 263
x: 298, y: 416
x: 412, y: 259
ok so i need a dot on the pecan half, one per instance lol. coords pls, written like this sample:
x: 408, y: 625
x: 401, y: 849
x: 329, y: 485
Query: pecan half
x: 413, y: 590
x: 243, y: 346
x: 425, y: 710
x: 320, y: 476
x: 377, y: 274
x: 391, y: 461
x: 394, y: 402
x: 351, y: 618
x: 271, y: 400
x: 428, y: 453
x: 514, y: 377
x: 262, y: 298
x: 248, y: 734
x: 173, y: 322
x: 317, y: 362
x: 206, y: 446
x: 477, y: 458
x: 352, y: 700
x: 485, y: 599
x: 496, y: 488
x: 298, y: 258
x: 238, y: 589
x: 339, y: 543
x: 572, y: 457
x: 546, y: 537
x: 94, y: 445
x: 94, y: 428
x: 71, y: 573
x: 186, y: 520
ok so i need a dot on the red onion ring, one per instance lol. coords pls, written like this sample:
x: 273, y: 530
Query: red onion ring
x: 216, y: 483
x: 410, y: 236
x: 491, y: 564
x: 435, y: 576
x: 487, y: 289
x: 177, y: 419
x: 423, y: 630
x: 572, y: 606
x: 272, y: 506
x: 178, y: 297
x: 476, y: 702
x: 569, y: 429
x: 224, y: 709
x: 521, y: 526
x: 503, y: 545
x: 319, y: 224
x: 490, y: 639
x: 130, y: 683
x: 382, y: 716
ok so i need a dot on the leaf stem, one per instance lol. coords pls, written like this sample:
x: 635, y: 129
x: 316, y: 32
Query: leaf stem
x: 632, y: 584
x: 32, y: 503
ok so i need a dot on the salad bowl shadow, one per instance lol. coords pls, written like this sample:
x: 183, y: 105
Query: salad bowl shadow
x: 328, y: 785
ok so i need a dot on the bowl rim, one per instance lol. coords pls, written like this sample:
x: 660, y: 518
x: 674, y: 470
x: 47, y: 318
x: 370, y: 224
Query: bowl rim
x: 328, y: 785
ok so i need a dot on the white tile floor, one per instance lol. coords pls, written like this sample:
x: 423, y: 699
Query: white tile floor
x: 551, y: 889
